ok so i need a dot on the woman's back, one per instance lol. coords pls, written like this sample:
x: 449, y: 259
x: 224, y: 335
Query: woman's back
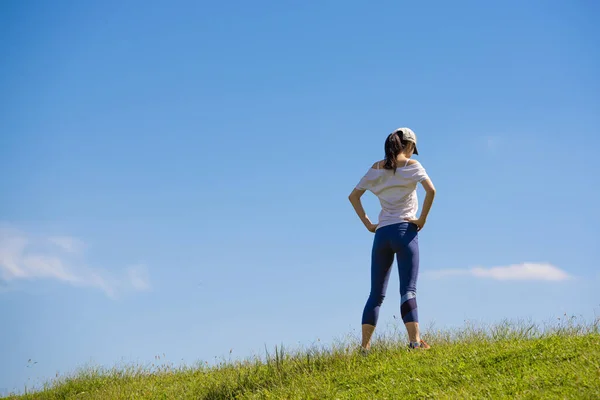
x: 394, y: 182
x: 396, y: 190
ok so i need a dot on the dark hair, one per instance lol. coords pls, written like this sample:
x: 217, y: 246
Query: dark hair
x: 394, y: 145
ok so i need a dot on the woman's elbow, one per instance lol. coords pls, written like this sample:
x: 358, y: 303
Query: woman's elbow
x: 354, y: 197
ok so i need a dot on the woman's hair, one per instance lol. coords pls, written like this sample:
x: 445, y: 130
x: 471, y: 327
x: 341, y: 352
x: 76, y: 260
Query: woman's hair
x: 394, y: 145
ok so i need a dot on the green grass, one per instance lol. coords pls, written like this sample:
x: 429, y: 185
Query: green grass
x: 506, y: 361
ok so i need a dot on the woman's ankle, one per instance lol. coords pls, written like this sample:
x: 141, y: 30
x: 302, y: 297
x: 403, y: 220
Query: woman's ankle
x: 412, y: 328
x: 367, y: 334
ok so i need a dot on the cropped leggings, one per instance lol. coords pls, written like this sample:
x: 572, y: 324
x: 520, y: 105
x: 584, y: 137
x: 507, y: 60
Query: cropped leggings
x: 401, y: 240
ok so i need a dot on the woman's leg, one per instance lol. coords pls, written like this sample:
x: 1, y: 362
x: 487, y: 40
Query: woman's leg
x: 382, y: 258
x: 408, y: 270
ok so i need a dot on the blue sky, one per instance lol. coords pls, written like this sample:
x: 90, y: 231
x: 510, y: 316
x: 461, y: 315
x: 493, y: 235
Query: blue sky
x: 174, y: 177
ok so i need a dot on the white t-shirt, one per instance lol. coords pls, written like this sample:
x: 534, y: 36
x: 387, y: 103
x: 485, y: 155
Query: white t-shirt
x: 397, y: 193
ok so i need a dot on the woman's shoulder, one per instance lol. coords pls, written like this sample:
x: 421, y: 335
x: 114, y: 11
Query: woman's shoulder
x: 378, y: 164
x: 381, y: 164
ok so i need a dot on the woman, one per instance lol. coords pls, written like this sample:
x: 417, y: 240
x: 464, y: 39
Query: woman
x: 394, y: 181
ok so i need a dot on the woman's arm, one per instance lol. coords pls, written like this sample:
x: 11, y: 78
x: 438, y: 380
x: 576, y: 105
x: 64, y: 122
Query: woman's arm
x: 360, y: 211
x: 429, y: 196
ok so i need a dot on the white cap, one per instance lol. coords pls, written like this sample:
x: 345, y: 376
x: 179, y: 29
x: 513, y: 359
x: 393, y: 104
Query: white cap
x: 408, y: 135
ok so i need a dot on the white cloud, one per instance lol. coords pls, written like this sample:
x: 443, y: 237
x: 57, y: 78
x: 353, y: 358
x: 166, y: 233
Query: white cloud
x: 23, y: 257
x: 68, y: 244
x: 516, y: 272
x: 138, y: 277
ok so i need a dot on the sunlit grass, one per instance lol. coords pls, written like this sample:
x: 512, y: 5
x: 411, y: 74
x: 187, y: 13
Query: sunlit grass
x: 506, y: 360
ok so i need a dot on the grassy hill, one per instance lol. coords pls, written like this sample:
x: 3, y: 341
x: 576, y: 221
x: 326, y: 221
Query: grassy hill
x: 505, y: 361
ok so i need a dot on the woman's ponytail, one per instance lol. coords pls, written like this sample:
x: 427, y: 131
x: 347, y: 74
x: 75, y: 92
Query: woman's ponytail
x: 393, y: 147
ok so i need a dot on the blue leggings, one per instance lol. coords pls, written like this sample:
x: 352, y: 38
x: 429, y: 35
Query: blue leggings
x: 402, y: 240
